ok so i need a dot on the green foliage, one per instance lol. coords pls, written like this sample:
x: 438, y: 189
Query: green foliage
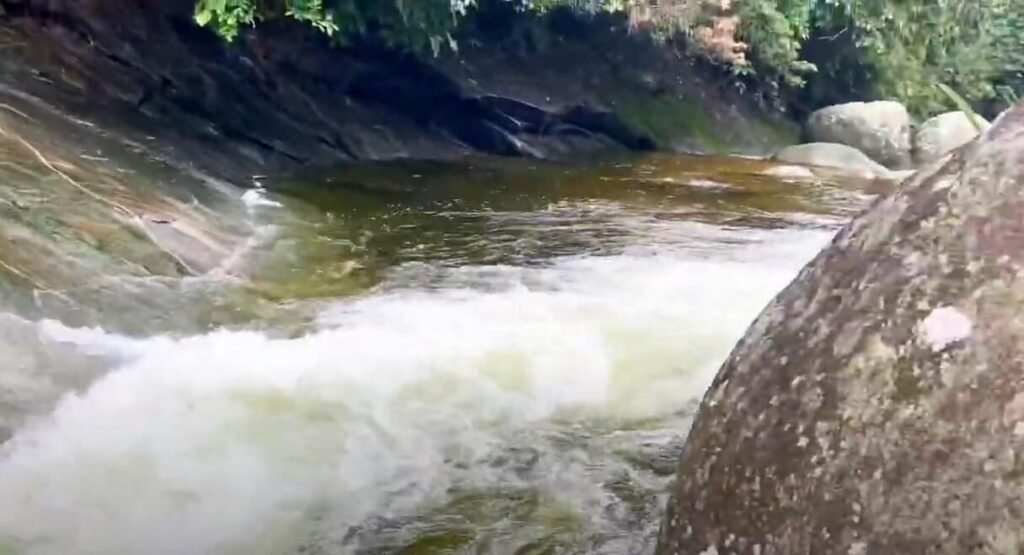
x: 421, y: 25
x: 776, y: 32
x: 842, y: 49
x: 920, y: 45
x: 1009, y: 48
x: 906, y: 47
x: 227, y: 16
x: 417, y: 24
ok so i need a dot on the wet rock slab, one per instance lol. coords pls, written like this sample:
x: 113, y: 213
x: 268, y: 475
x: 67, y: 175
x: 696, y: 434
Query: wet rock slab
x: 85, y: 220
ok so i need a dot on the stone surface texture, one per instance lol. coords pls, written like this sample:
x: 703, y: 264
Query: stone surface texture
x: 882, y: 130
x: 944, y: 133
x: 876, y: 406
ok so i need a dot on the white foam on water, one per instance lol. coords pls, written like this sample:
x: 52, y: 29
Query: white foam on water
x: 234, y: 442
x: 254, y: 198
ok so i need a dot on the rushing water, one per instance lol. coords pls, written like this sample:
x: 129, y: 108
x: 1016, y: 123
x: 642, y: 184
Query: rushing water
x: 475, y: 358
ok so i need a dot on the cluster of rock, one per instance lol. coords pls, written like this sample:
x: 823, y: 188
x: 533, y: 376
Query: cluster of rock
x: 879, y: 139
x: 877, y: 404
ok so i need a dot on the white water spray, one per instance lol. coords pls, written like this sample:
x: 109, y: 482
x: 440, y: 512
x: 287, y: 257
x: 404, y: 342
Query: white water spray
x: 233, y: 442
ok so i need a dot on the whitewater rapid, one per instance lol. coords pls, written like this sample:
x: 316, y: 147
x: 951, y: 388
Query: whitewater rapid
x: 236, y: 442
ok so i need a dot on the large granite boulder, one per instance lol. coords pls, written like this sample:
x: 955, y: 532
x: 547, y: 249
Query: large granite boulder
x: 943, y: 133
x: 832, y: 155
x: 877, y: 404
x: 882, y: 130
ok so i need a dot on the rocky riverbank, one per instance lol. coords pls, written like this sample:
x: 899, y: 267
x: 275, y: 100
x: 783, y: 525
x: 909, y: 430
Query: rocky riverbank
x: 880, y: 139
x: 283, y: 98
x: 876, y: 405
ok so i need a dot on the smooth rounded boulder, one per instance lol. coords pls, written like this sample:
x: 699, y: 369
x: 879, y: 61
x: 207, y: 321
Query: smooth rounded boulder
x: 832, y: 155
x: 882, y: 130
x: 944, y: 133
x: 876, y: 406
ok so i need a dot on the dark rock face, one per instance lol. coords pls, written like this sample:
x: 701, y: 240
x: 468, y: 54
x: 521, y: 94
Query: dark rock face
x: 877, y: 405
x: 284, y: 97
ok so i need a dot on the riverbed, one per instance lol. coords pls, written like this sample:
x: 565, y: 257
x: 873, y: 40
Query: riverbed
x: 485, y: 356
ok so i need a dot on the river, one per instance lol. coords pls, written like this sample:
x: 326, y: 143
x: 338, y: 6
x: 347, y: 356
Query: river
x: 480, y: 357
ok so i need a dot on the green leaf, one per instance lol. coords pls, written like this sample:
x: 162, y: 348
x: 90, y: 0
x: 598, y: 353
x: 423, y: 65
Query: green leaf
x: 203, y: 17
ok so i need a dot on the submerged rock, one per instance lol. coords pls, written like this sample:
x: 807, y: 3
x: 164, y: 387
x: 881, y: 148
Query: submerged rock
x: 790, y: 173
x: 832, y: 155
x: 877, y: 404
x: 943, y: 133
x: 882, y: 130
